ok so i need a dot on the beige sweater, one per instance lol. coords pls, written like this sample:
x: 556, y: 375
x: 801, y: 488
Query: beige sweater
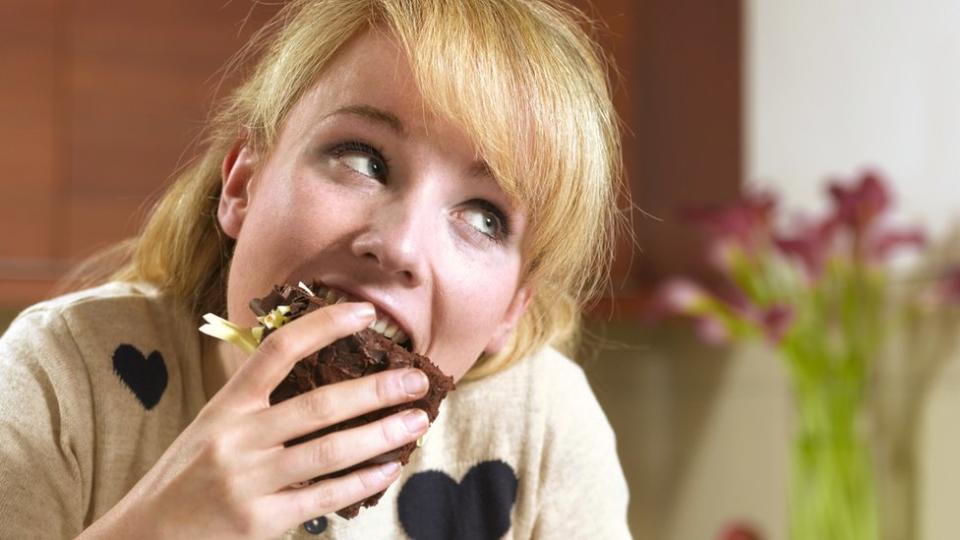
x: 95, y: 385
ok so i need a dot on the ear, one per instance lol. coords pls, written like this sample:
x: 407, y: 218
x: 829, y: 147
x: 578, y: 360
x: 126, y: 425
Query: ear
x: 236, y: 173
x: 516, y: 309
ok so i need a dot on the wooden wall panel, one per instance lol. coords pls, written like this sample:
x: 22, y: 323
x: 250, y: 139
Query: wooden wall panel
x: 688, y: 124
x: 680, y: 99
x: 28, y: 156
x: 616, y: 32
x: 99, y: 102
x: 678, y: 94
x: 96, y: 222
x: 141, y: 85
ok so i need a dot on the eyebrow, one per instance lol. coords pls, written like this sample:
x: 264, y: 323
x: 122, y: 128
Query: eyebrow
x: 374, y: 114
x: 478, y: 169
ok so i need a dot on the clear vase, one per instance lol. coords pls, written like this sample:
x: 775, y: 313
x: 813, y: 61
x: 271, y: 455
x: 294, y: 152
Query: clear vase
x: 832, y: 495
x: 897, y: 416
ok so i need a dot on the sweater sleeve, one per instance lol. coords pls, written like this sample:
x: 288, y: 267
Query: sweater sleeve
x: 583, y: 492
x: 46, y: 429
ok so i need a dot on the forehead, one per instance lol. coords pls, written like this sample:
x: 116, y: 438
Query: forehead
x: 369, y: 82
x: 370, y: 73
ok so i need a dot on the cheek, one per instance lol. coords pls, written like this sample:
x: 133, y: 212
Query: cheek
x: 274, y: 237
x: 297, y: 219
x: 472, y: 312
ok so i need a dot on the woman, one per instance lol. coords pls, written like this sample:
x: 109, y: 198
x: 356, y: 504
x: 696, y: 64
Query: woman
x: 449, y: 167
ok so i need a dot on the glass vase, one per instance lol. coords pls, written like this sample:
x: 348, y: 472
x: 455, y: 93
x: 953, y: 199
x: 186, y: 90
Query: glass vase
x: 832, y: 495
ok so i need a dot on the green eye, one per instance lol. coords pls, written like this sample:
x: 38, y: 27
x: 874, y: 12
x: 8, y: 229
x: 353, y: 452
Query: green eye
x: 362, y: 158
x: 484, y: 221
x: 365, y: 165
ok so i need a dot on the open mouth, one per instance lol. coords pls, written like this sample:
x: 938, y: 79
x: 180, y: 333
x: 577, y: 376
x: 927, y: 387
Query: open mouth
x: 384, y: 323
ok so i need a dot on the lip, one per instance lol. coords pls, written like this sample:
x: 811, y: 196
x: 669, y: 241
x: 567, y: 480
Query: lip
x: 383, y: 306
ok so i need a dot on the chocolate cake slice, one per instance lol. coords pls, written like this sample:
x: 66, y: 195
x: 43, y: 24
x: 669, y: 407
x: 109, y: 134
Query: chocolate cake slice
x: 359, y: 354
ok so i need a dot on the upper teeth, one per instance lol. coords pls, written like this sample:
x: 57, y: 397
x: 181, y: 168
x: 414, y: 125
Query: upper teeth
x: 384, y: 324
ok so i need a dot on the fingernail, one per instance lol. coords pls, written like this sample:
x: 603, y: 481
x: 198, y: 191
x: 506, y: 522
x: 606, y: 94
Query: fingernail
x: 364, y: 311
x: 415, y: 382
x: 389, y: 469
x: 415, y: 420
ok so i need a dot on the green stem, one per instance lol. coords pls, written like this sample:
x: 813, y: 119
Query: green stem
x: 832, y: 492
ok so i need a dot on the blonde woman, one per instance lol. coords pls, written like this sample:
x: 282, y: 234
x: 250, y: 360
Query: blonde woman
x: 447, y: 167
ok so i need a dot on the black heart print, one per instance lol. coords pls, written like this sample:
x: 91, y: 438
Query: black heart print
x: 432, y: 506
x: 145, y: 376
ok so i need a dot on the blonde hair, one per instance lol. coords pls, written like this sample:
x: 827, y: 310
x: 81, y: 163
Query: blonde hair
x: 521, y: 78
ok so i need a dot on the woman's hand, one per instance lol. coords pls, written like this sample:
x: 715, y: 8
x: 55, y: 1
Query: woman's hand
x: 228, y: 474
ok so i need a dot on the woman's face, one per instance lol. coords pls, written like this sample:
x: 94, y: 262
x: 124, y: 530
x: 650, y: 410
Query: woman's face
x: 369, y: 194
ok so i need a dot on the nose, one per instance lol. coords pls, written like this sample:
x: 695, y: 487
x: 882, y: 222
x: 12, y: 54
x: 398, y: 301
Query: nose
x: 395, y: 240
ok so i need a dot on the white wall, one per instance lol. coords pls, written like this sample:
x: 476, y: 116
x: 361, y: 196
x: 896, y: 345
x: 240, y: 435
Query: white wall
x: 833, y: 86
x: 836, y: 85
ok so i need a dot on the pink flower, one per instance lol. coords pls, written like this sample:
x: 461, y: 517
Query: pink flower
x: 811, y: 245
x: 740, y: 531
x: 746, y: 223
x: 858, y: 209
x: 711, y: 330
x: 776, y: 321
x: 858, y: 206
x: 680, y: 296
x: 713, y: 312
x: 884, y: 243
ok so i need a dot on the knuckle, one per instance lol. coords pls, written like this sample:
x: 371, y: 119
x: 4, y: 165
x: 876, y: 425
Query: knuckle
x: 324, y: 320
x: 323, y: 498
x: 257, y: 521
x: 392, y: 430
x: 387, y: 387
x: 245, y: 523
x: 323, y: 454
x: 368, y: 481
x: 327, y: 316
x: 316, y: 405
x: 276, y: 344
x: 218, y: 448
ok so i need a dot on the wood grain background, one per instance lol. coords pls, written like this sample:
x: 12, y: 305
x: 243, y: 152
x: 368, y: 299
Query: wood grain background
x: 100, y: 100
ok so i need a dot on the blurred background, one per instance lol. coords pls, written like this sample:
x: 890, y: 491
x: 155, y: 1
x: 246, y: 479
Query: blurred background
x: 101, y: 100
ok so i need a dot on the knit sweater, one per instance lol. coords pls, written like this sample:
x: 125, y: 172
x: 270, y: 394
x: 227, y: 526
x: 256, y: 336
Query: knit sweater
x: 94, y: 386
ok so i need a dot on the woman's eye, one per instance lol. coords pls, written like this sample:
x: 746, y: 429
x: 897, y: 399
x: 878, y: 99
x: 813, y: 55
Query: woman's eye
x: 363, y: 159
x: 486, y: 220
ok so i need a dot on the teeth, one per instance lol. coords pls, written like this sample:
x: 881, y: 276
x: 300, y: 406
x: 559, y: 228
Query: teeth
x: 383, y: 325
x: 389, y: 329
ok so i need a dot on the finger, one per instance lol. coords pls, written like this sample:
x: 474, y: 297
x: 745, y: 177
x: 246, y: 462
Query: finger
x: 334, y: 403
x: 342, y: 449
x: 277, y: 354
x: 324, y: 497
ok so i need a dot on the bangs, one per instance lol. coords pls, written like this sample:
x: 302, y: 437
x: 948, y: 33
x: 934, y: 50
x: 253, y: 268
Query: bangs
x: 521, y: 83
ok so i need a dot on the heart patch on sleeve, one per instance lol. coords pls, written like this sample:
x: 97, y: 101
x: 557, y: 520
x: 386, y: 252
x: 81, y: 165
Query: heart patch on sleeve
x: 433, y: 506
x: 145, y: 376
